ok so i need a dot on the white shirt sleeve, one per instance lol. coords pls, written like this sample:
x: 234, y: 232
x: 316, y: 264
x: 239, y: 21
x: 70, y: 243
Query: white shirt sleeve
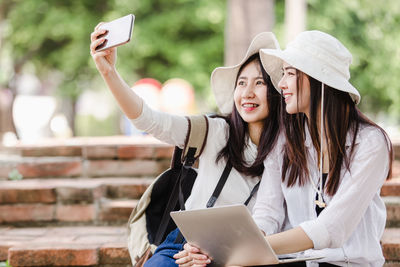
x: 269, y: 209
x: 168, y: 128
x: 368, y: 170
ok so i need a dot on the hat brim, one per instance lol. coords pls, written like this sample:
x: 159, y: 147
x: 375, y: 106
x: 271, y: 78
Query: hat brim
x: 223, y: 78
x: 272, y: 61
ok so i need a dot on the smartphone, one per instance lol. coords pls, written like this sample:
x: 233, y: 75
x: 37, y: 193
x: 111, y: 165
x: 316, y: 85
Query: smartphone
x: 119, y: 32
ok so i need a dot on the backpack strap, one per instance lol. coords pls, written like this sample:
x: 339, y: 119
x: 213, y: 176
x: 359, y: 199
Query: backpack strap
x: 255, y: 189
x: 220, y: 185
x: 196, y: 136
x: 195, y: 142
x: 184, y: 159
x: 176, y: 159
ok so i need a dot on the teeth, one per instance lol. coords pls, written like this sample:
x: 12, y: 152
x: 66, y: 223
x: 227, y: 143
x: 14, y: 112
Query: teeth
x: 250, y: 105
x: 286, y: 95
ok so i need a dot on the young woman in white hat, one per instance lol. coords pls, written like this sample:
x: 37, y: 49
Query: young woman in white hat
x: 243, y: 136
x: 328, y: 183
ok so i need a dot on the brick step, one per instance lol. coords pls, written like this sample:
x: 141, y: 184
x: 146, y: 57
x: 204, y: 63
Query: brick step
x: 40, y: 167
x: 106, y: 212
x: 86, y: 157
x: 107, y: 147
x: 96, y: 157
x: 69, y: 201
x: 86, y: 189
x: 70, y: 190
x: 396, y: 168
x: 52, y: 167
x: 391, y: 187
x: 391, y: 246
x: 88, y: 200
x: 391, y: 264
x: 393, y: 211
x: 65, y: 246
x: 101, y: 246
x: 143, y: 146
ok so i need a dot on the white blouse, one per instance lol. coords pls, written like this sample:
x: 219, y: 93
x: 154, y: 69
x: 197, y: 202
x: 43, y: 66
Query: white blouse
x: 348, y: 231
x: 172, y: 129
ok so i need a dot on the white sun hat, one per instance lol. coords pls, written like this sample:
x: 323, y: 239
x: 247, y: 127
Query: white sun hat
x: 317, y: 54
x: 223, y: 78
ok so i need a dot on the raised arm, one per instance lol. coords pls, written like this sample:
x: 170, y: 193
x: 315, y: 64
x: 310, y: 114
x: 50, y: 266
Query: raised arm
x: 168, y: 128
x: 130, y: 103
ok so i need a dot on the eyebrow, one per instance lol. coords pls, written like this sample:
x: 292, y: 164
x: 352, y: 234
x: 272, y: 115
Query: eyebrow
x: 289, y: 68
x: 245, y: 78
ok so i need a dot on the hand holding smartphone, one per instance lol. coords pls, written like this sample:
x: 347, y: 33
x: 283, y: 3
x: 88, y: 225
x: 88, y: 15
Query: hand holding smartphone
x: 119, y: 32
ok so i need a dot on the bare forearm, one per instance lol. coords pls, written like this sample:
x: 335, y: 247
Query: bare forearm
x: 293, y: 240
x: 130, y: 103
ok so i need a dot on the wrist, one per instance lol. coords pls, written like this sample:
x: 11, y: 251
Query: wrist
x: 110, y: 72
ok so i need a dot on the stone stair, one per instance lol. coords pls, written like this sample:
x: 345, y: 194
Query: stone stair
x: 73, y: 203
x: 65, y: 246
x: 391, y: 238
x: 87, y: 157
x: 76, y: 195
x: 96, y: 201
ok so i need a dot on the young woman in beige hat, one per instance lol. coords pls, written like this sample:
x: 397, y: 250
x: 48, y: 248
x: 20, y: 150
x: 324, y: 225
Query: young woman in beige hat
x: 243, y: 136
x: 328, y: 183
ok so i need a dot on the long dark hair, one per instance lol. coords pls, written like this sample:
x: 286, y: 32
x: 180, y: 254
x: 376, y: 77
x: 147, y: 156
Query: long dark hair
x: 233, y: 152
x: 338, y: 107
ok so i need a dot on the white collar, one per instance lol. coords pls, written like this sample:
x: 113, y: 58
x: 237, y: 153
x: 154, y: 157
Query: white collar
x: 349, y: 137
x: 250, y: 151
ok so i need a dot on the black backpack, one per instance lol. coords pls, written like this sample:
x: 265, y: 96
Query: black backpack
x: 150, y: 221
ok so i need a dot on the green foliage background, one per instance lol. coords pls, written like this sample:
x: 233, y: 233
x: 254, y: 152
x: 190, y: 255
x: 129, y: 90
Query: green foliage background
x: 370, y: 30
x: 185, y: 38
x: 180, y: 38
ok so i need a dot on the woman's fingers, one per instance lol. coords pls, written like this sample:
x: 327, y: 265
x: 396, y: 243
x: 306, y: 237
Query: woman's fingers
x: 191, y: 248
x: 191, y: 256
x: 200, y: 259
x: 180, y: 254
x: 101, y: 54
x: 183, y: 258
x: 95, y: 44
x: 188, y: 264
x: 199, y: 256
x: 184, y: 261
x: 95, y: 35
x: 98, y: 25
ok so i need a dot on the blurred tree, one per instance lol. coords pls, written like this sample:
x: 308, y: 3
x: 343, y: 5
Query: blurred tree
x: 295, y: 18
x: 179, y: 38
x: 6, y: 123
x: 52, y: 36
x: 172, y: 38
x: 370, y: 30
x: 185, y: 38
x: 245, y: 20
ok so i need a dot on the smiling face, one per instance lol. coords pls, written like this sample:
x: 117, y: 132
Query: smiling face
x: 297, y: 99
x: 250, y: 95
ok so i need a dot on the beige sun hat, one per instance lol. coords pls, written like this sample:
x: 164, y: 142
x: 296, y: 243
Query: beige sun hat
x: 317, y: 54
x: 223, y: 78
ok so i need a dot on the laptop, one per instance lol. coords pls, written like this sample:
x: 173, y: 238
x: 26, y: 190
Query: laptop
x: 229, y: 235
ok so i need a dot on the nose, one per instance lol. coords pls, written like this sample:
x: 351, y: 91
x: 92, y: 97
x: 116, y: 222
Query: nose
x: 248, y: 91
x: 282, y: 84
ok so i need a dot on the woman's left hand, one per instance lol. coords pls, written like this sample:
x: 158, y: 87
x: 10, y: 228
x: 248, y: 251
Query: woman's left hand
x: 191, y: 256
